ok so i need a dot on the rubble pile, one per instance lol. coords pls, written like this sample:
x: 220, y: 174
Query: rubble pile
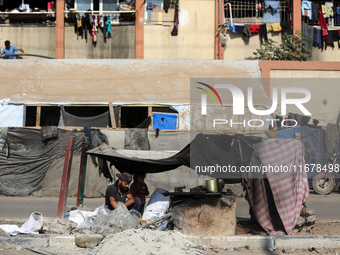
x: 145, y: 242
x: 306, y: 222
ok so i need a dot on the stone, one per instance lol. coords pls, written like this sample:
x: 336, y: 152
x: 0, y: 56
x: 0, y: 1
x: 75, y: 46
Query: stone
x: 88, y: 240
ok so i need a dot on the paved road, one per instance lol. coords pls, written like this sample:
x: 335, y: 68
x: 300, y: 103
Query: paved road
x: 327, y: 208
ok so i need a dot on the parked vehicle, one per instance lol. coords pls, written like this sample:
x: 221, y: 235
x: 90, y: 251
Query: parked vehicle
x: 324, y: 181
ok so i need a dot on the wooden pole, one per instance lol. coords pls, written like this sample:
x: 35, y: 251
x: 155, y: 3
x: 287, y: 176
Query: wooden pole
x: 66, y: 178
x: 37, y: 117
x: 60, y: 30
x: 82, y: 172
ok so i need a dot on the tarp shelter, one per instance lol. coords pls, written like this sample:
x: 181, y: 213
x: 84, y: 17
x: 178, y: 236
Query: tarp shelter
x: 205, y: 150
x: 26, y: 157
x: 12, y: 115
x: 276, y: 197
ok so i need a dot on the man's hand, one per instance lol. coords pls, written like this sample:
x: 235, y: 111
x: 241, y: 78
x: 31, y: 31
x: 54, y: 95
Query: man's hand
x: 130, y: 200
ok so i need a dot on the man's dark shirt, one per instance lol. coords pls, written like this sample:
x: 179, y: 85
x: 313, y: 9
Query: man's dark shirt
x: 112, y: 191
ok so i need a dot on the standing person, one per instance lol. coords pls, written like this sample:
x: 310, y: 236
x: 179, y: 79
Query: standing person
x: 10, y: 50
x: 139, y: 189
x: 120, y: 192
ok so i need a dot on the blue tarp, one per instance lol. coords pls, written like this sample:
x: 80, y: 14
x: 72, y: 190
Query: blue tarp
x: 164, y: 121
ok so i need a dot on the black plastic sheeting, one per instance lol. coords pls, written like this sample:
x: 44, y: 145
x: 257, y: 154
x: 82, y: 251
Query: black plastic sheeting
x: 204, y: 150
x: 26, y: 158
x: 68, y: 119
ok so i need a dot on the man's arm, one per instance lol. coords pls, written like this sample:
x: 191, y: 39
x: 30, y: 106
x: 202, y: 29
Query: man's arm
x: 23, y: 52
x: 113, y: 202
x: 130, y: 200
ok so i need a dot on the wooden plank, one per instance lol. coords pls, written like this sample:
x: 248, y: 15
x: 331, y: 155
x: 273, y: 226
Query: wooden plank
x: 150, y: 115
x: 37, y: 118
x: 112, y: 116
x: 66, y: 177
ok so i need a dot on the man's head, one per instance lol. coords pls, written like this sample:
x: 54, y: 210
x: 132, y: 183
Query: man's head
x: 7, y: 44
x: 124, y: 181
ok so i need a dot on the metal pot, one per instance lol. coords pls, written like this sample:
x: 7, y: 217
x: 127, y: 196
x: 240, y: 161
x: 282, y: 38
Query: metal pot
x: 212, y: 186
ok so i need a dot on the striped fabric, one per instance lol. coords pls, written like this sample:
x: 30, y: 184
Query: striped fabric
x: 276, y: 201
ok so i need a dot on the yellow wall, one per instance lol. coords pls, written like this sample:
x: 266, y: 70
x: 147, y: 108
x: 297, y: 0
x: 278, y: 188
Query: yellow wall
x: 238, y: 48
x: 195, y: 34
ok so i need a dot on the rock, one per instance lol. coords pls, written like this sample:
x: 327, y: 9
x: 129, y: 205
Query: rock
x: 88, y: 240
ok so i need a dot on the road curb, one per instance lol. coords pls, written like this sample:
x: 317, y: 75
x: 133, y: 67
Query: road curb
x: 265, y: 242
x: 222, y: 242
x: 37, y: 241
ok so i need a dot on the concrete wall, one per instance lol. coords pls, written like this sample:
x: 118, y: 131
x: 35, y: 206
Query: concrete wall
x: 120, y: 45
x: 195, y: 34
x: 33, y: 39
x: 41, y: 40
x: 323, y: 85
x: 239, y: 48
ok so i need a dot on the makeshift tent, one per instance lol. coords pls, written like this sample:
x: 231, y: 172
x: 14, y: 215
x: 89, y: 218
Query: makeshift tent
x: 26, y: 156
x: 204, y: 151
x: 276, y: 197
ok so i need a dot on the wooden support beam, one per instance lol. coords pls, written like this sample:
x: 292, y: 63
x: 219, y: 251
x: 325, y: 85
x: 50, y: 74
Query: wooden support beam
x: 38, y: 116
x: 150, y: 115
x: 66, y: 177
x: 112, y: 116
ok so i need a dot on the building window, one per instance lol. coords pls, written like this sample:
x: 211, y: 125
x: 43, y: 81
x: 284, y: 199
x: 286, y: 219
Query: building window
x: 155, y: 14
x: 252, y: 11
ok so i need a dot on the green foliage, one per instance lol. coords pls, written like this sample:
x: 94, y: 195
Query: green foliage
x: 292, y: 48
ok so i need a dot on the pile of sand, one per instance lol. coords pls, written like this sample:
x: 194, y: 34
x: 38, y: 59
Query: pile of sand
x: 145, y: 242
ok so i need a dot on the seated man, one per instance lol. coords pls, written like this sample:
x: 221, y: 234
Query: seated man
x: 120, y: 192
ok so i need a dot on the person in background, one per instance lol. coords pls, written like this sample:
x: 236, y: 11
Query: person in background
x: 10, y: 50
x: 139, y: 189
x: 120, y: 192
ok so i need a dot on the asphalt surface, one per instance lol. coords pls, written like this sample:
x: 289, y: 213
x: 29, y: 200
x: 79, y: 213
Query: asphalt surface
x: 326, y: 208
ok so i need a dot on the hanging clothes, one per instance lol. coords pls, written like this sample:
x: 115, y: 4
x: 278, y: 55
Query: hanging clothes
x: 254, y: 28
x: 308, y: 32
x: 166, y: 4
x: 336, y: 36
x: 275, y: 27
x: 104, y: 26
x: 263, y: 33
x: 272, y: 11
x: 318, y: 38
x: 329, y: 40
x: 316, y: 7
x: 322, y: 23
x: 286, y: 27
x: 108, y: 22
x: 246, y: 31
x: 306, y: 8
x: 174, y: 31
